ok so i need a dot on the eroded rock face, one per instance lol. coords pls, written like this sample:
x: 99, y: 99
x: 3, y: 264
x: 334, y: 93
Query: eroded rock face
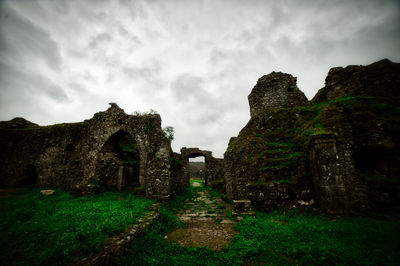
x: 341, y: 151
x: 380, y: 79
x: 111, y: 150
x: 275, y: 90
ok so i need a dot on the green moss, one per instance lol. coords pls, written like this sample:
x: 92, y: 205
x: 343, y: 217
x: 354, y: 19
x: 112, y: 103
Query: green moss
x: 51, y: 128
x: 149, y: 127
x: 131, y: 148
x: 280, y: 138
x: 175, y: 163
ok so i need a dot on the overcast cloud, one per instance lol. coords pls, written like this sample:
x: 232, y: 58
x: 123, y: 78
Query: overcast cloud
x: 195, y: 62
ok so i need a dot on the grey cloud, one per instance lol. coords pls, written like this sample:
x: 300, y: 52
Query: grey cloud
x: 149, y: 72
x: 209, y: 114
x: 77, y: 87
x: 125, y: 33
x: 22, y: 39
x: 53, y: 91
x: 186, y: 87
x: 25, y: 85
x: 100, y: 39
x: 135, y: 8
x: 229, y: 45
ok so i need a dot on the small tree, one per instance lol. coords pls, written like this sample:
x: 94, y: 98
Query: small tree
x: 169, y: 132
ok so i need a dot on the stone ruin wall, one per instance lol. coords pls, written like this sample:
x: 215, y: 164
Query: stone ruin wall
x: 335, y: 181
x: 69, y: 156
x: 276, y: 90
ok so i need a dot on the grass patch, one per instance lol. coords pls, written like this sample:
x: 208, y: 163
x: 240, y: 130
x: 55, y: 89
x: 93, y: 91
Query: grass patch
x: 278, y: 238
x: 197, y: 181
x: 39, y: 230
x: 316, y: 240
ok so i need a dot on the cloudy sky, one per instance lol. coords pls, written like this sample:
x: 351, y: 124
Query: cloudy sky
x: 194, y: 62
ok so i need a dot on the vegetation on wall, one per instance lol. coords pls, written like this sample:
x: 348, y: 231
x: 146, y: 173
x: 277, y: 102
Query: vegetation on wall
x: 169, y: 132
x: 280, y: 138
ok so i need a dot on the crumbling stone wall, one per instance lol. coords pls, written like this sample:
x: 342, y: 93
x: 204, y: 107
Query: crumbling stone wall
x: 178, y: 173
x: 216, y: 177
x: 339, y: 151
x: 271, y: 173
x: 275, y: 90
x: 74, y: 156
x: 327, y: 173
x: 379, y: 79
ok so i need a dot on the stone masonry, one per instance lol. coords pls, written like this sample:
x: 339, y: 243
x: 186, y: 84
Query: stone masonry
x: 111, y: 150
x: 340, y: 151
x: 275, y: 90
x: 213, y: 166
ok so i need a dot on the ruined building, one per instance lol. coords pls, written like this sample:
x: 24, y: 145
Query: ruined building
x: 339, y: 152
x: 111, y: 150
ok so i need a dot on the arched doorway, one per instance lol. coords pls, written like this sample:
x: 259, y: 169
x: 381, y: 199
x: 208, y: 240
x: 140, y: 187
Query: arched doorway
x: 119, y: 162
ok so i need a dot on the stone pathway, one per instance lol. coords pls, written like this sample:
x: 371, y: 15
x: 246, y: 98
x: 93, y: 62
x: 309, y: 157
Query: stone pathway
x: 208, y: 223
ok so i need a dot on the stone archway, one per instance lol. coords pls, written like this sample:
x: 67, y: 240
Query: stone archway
x: 187, y: 153
x: 70, y: 155
x: 118, y: 163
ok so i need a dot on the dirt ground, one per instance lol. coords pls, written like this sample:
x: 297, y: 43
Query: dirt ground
x: 208, y: 223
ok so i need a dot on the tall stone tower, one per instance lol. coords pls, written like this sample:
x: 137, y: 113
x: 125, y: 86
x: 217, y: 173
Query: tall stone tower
x: 275, y: 90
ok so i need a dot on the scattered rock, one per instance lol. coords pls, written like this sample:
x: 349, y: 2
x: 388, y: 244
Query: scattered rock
x: 47, y: 192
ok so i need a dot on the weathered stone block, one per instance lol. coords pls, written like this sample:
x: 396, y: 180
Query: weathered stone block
x: 242, y: 207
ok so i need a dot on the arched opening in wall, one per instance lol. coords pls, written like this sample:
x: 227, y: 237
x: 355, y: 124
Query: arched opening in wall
x: 119, y: 162
x: 197, y: 171
x: 31, y: 175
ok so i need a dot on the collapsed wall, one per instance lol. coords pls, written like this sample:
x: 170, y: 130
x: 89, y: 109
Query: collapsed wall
x: 340, y: 150
x: 111, y: 150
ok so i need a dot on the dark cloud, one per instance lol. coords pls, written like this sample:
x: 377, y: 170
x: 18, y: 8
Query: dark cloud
x: 27, y: 85
x: 194, y: 61
x: 22, y: 40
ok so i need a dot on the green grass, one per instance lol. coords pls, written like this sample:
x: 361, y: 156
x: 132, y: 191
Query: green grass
x: 316, y: 240
x: 48, y: 230
x: 278, y: 238
x: 200, y: 181
x: 40, y: 230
